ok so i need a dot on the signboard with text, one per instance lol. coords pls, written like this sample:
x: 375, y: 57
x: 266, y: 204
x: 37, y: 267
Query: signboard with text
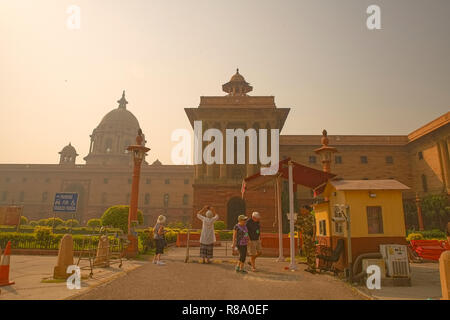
x: 65, y: 202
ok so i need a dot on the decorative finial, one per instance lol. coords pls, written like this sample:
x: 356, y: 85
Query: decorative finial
x: 237, y: 70
x: 122, y: 102
x: 324, y: 139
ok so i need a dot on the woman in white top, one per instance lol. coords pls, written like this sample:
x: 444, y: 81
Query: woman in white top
x: 207, y: 237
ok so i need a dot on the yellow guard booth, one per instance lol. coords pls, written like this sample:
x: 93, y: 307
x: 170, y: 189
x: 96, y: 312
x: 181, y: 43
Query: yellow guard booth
x: 376, y: 215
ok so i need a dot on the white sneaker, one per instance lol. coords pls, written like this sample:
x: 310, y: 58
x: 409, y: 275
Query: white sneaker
x: 155, y: 262
x: 160, y: 263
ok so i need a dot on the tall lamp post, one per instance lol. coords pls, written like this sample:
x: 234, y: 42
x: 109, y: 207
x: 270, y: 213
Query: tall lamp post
x: 138, y: 151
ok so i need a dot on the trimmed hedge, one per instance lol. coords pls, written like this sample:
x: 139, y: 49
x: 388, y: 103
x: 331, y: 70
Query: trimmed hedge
x: 426, y: 234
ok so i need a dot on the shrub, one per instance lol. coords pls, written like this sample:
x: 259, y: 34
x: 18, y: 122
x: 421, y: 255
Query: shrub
x: 414, y: 236
x: 33, y: 223
x: 117, y: 217
x: 42, y: 235
x: 219, y: 225
x: 23, y: 220
x: 75, y: 223
x: 94, y: 223
x: 57, y: 221
x: 177, y: 225
x: 43, y: 222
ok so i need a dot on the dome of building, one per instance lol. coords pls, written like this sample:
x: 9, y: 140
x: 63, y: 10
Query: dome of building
x: 120, y: 118
x: 69, y: 149
x: 237, y: 86
x: 110, y: 139
x: 237, y: 77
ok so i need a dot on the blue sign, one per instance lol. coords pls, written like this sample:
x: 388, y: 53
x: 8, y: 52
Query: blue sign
x: 65, y: 202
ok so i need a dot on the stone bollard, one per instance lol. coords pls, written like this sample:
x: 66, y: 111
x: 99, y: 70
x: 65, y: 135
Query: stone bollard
x: 102, y: 257
x: 65, y: 257
x: 444, y: 271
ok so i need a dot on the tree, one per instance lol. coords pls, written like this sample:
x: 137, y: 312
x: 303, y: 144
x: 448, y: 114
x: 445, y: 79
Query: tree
x: 436, y: 207
x: 117, y: 217
x: 94, y: 223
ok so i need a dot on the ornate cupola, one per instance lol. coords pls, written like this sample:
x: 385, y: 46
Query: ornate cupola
x: 237, y: 86
x: 68, y: 155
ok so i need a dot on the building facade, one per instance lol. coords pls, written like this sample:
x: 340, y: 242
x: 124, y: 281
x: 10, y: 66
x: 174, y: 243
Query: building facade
x: 419, y: 160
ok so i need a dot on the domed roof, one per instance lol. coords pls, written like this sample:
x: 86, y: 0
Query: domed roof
x: 237, y: 77
x: 237, y: 86
x: 120, y: 117
x: 69, y: 149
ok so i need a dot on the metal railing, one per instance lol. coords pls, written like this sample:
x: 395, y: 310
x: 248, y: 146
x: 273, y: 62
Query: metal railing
x: 222, y: 247
x: 113, y: 255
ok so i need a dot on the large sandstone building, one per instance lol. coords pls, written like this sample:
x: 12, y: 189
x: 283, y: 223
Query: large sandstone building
x: 419, y: 159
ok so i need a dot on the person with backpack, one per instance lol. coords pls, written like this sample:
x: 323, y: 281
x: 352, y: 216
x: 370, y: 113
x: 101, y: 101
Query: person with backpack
x: 240, y: 242
x: 160, y: 241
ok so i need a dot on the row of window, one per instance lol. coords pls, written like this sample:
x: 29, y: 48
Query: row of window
x: 147, y: 181
x: 362, y: 159
x: 166, y: 197
x: 25, y: 179
x: 44, y: 198
x: 105, y: 180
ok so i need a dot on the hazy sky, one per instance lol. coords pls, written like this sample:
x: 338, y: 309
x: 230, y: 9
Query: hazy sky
x: 316, y: 57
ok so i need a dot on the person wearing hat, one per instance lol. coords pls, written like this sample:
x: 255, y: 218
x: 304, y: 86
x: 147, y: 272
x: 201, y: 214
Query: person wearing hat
x: 240, y: 242
x: 254, y: 245
x: 207, y: 237
x: 158, y: 235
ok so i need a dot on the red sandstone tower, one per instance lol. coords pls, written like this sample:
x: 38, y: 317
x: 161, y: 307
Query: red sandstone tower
x: 219, y: 185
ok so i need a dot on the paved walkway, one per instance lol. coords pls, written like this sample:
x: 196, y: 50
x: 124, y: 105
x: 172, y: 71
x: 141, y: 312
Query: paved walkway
x: 179, y: 280
x: 425, y: 284
x: 32, y: 276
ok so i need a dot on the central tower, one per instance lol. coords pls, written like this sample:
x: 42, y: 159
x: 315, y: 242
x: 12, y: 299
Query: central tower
x: 219, y: 185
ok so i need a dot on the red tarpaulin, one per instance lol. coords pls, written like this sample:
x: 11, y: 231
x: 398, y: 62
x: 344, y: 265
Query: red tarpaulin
x: 302, y: 175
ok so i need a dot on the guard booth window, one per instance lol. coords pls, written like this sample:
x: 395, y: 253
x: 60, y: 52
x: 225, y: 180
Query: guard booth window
x: 322, y: 228
x: 374, y: 219
x: 338, y: 226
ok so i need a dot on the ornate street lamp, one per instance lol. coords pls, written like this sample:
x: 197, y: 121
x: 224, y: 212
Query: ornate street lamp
x: 138, y: 151
x: 325, y: 152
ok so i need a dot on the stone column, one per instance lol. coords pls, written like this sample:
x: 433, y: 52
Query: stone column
x: 444, y: 163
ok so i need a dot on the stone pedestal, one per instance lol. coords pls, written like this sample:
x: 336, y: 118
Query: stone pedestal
x: 65, y: 257
x: 102, y: 256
